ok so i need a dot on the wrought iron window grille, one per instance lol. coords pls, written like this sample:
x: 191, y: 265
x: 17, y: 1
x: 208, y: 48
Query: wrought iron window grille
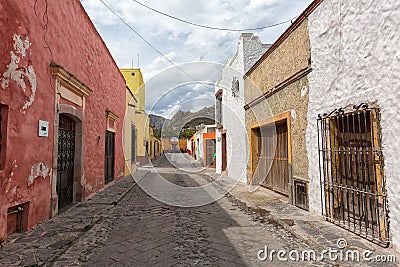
x: 353, y: 189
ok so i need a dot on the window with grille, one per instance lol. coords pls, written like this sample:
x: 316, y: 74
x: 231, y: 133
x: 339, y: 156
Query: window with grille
x: 351, y: 171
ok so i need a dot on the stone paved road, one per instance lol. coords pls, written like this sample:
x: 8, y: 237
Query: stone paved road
x: 124, y: 226
x: 141, y: 231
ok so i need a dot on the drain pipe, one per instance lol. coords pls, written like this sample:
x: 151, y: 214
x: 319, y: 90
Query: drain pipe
x: 18, y: 210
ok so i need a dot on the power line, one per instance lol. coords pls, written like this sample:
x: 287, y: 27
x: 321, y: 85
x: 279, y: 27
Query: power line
x: 211, y: 27
x: 149, y: 44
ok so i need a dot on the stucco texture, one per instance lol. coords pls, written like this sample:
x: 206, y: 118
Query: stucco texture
x: 65, y: 37
x: 288, y: 58
x: 355, y: 59
x: 288, y: 99
x: 292, y: 55
x: 248, y: 51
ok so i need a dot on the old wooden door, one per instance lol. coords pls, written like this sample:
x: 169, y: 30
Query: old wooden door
x: 65, y: 160
x: 109, y: 157
x: 224, y: 163
x: 274, y: 157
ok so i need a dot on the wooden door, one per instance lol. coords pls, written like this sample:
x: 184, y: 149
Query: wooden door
x: 273, y: 159
x: 224, y: 162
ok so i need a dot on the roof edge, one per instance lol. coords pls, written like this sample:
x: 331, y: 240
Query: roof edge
x: 284, y: 35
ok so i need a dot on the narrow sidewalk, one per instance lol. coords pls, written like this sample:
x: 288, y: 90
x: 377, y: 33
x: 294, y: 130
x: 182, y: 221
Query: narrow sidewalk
x: 49, y: 240
x: 308, y: 227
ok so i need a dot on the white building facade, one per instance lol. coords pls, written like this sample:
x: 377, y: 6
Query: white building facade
x: 205, y: 145
x: 354, y: 96
x: 231, y: 137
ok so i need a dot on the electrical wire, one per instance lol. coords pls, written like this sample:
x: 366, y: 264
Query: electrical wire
x: 211, y: 27
x: 149, y: 44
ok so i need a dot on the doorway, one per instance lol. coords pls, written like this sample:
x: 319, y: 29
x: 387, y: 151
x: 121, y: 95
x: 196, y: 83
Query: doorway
x: 272, y: 157
x: 65, y: 161
x: 109, y: 157
x: 210, y: 153
x: 224, y: 162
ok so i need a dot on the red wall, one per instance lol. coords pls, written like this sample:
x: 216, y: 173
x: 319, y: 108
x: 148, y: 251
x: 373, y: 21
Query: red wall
x: 72, y: 42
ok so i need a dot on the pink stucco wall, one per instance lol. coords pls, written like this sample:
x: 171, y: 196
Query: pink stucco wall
x: 66, y: 37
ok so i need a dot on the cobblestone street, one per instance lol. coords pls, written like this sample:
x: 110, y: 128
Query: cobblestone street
x: 141, y: 231
x: 124, y: 226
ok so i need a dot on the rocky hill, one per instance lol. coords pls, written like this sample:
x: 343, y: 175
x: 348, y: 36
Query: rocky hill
x: 157, y: 121
x: 182, y: 120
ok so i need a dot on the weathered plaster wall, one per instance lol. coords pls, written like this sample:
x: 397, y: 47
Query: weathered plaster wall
x: 28, y: 90
x: 290, y: 57
x: 356, y: 59
x: 289, y: 99
x: 142, y: 126
x: 134, y: 80
x: 129, y: 121
x: 248, y: 52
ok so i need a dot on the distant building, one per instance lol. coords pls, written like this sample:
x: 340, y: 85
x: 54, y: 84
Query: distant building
x: 174, y: 141
x: 62, y: 103
x: 155, y: 148
x: 166, y: 144
x: 134, y: 80
x: 130, y: 132
x: 205, y: 145
x: 231, y: 136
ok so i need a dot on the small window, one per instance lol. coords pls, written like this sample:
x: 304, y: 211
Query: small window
x: 218, y: 105
x: 211, y: 130
x: 235, y: 87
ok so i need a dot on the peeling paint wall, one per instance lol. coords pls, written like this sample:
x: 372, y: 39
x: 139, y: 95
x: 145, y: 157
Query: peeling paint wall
x: 28, y: 46
x: 39, y: 170
x: 19, y: 73
x: 355, y: 59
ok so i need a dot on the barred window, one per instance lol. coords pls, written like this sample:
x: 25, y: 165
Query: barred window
x: 351, y: 171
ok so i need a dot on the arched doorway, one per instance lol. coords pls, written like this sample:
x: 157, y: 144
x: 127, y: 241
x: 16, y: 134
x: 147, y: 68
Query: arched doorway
x: 67, y: 175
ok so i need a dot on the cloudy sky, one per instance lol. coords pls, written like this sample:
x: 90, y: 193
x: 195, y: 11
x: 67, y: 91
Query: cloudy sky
x: 198, y: 52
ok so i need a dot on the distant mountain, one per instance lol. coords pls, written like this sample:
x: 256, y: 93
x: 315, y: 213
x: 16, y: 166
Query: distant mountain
x: 157, y: 121
x: 186, y: 119
x: 182, y: 120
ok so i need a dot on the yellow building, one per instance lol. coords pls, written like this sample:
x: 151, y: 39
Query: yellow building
x: 154, y: 149
x: 134, y: 80
x: 130, y: 133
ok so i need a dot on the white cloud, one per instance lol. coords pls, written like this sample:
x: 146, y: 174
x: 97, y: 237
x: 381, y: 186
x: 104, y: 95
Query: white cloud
x: 181, y: 42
